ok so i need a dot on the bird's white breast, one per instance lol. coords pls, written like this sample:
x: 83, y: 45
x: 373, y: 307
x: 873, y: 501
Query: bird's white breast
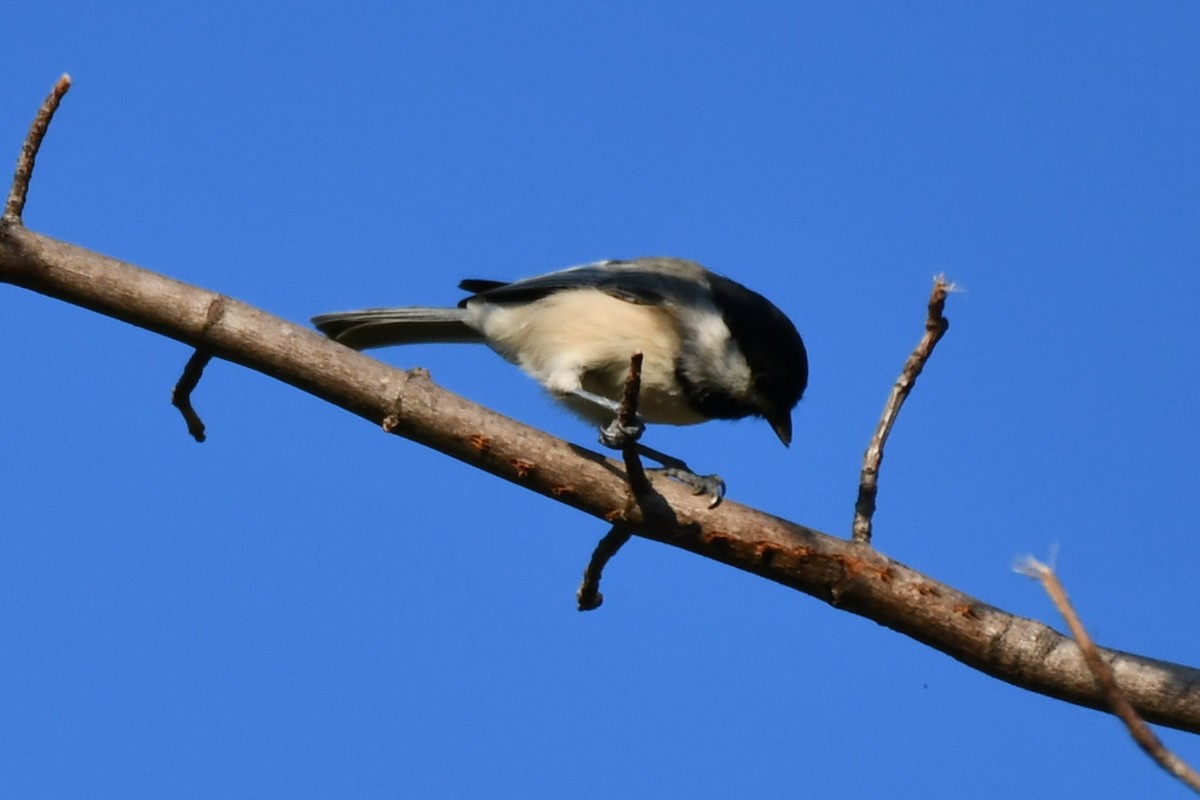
x: 583, y: 338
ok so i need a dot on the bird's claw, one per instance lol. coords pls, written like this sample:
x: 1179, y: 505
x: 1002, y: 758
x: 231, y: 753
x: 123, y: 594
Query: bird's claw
x: 712, y: 485
x: 618, y: 436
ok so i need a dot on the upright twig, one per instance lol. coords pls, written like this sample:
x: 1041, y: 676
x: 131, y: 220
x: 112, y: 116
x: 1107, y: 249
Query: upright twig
x: 1117, y: 701
x: 868, y: 485
x: 628, y: 418
x: 15, y: 206
x: 588, y: 597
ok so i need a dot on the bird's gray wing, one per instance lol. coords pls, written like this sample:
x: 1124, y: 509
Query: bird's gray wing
x: 647, y: 281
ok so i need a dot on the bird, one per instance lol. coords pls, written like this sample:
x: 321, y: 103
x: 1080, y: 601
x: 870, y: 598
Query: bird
x: 712, y: 348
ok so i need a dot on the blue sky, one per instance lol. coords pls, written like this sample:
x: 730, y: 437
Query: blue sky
x: 304, y: 607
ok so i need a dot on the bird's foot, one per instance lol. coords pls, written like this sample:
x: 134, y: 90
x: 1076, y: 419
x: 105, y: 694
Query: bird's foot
x: 712, y: 485
x: 618, y: 436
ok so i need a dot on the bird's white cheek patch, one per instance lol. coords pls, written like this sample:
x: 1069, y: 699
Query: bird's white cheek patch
x: 729, y: 369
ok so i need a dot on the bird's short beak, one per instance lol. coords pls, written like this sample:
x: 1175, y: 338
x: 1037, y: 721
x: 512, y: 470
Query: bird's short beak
x: 782, y: 425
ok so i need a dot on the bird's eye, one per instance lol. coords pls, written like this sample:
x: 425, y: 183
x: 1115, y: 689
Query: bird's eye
x: 763, y: 383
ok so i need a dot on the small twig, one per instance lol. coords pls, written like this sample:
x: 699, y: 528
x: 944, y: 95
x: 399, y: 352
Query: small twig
x: 15, y: 206
x: 868, y: 485
x: 628, y: 418
x: 181, y: 395
x: 588, y: 595
x: 1117, y: 701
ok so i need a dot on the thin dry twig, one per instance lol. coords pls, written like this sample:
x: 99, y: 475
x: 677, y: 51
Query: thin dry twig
x: 181, y: 395
x: 588, y: 595
x: 628, y: 418
x: 1117, y: 701
x: 868, y: 485
x: 15, y: 206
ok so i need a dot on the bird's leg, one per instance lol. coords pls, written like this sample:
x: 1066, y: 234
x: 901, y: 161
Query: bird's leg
x: 618, y: 436
x: 677, y: 469
x: 615, y: 435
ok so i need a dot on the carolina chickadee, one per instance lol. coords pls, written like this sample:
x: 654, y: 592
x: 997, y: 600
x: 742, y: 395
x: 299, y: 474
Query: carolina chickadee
x: 712, y: 348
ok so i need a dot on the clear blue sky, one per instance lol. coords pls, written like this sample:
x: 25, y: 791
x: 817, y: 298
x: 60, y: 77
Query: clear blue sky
x: 305, y: 607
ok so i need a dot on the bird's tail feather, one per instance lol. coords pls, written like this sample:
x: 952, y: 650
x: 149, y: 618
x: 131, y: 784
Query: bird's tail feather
x: 380, y: 327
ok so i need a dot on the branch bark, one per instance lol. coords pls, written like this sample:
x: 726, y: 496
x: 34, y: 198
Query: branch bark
x: 1117, y: 701
x: 936, y: 326
x: 848, y: 576
x: 851, y: 577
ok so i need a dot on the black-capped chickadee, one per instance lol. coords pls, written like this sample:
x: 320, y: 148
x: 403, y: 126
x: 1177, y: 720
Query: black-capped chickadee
x: 712, y: 348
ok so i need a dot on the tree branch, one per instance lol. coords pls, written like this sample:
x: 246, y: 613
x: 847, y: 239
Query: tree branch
x: 588, y: 596
x: 856, y: 579
x: 181, y: 395
x: 627, y: 419
x: 936, y: 325
x: 14, y: 207
x: 1117, y: 701
x: 849, y: 577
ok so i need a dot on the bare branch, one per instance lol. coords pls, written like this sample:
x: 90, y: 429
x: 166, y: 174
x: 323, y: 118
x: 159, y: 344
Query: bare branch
x: 628, y: 418
x: 868, y: 485
x: 852, y: 578
x: 861, y: 580
x: 1116, y: 698
x: 588, y: 596
x: 15, y: 207
x: 181, y: 396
